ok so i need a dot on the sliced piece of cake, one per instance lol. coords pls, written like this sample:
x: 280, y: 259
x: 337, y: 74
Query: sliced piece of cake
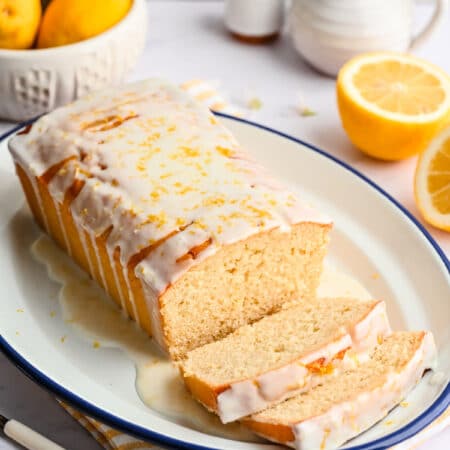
x: 282, y: 354
x: 156, y: 199
x: 343, y: 406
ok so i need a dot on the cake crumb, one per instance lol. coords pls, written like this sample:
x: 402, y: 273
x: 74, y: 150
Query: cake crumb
x: 389, y: 423
x: 63, y: 339
x: 375, y: 276
x: 306, y: 112
x: 152, y: 363
x: 302, y: 107
x: 20, y: 310
x: 254, y: 103
x: 96, y: 344
x: 404, y: 404
x: 17, y: 333
x: 52, y: 313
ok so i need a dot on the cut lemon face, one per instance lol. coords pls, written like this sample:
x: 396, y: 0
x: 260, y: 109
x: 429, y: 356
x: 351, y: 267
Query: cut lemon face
x: 432, y: 182
x: 392, y: 104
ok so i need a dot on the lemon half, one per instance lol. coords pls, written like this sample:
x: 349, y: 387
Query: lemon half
x: 392, y: 104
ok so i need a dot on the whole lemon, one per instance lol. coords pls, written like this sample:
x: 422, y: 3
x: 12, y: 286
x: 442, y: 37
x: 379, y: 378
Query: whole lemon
x: 19, y: 22
x: 69, y: 21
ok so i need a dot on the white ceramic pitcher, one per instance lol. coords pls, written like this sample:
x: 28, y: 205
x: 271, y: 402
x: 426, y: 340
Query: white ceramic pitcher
x: 327, y: 33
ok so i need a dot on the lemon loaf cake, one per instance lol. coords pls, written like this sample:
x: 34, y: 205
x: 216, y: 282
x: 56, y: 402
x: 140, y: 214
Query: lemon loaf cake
x: 343, y: 406
x: 154, y: 197
x: 281, y: 355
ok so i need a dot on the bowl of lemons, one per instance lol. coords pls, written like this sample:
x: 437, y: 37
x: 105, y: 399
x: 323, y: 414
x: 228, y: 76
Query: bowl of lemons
x: 52, y: 52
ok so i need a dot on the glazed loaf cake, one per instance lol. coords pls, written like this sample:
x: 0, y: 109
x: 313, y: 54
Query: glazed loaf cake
x: 343, y: 406
x: 152, y: 196
x: 283, y: 354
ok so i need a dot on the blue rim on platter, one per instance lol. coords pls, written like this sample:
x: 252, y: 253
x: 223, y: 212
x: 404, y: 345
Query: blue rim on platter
x: 413, y: 427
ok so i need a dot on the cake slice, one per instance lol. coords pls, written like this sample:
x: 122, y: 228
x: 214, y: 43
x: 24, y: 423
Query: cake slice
x: 282, y: 354
x: 155, y: 198
x: 343, y: 406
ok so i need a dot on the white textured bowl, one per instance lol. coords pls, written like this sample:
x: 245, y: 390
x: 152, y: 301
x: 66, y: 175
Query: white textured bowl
x: 36, y: 81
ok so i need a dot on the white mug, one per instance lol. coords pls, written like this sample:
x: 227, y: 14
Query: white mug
x: 327, y: 33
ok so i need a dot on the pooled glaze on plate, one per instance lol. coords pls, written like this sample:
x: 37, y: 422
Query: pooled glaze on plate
x: 87, y: 308
x: 97, y: 319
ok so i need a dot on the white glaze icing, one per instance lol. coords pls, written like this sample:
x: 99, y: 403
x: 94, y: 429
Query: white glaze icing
x: 116, y: 281
x: 155, y: 318
x: 37, y: 194
x: 169, y: 167
x: 347, y: 419
x: 274, y: 385
x: 250, y: 396
x: 133, y: 303
x: 239, y: 400
x: 64, y: 231
x: 365, y: 334
x: 84, y: 245
x: 91, y: 237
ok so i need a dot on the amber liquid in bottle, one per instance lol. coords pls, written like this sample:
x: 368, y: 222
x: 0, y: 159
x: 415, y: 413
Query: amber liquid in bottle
x: 255, y: 39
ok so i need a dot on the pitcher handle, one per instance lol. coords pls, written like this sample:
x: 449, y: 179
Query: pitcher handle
x: 441, y: 7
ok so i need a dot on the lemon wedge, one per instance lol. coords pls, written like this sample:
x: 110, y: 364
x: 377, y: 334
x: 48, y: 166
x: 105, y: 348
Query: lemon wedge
x: 432, y: 182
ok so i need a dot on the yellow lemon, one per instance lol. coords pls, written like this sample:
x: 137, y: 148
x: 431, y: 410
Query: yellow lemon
x: 19, y: 22
x: 69, y: 21
x: 432, y: 181
x: 391, y: 104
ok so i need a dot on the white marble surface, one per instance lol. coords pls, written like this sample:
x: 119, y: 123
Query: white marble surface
x: 186, y: 40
